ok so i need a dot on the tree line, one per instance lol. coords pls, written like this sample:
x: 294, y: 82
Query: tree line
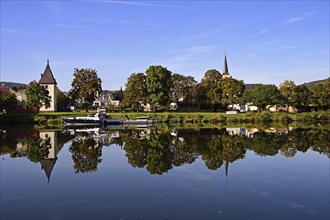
x: 159, y: 87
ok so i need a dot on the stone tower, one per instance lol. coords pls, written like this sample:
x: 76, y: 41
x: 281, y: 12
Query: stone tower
x: 49, y: 82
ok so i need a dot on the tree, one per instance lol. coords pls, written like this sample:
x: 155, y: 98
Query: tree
x: 62, y: 100
x: 36, y: 96
x: 321, y: 94
x: 212, y: 85
x: 7, y: 100
x: 86, y: 85
x: 158, y: 82
x: 183, y: 87
x: 301, y: 96
x: 119, y: 94
x: 136, y: 90
x: 263, y: 95
x: 287, y: 89
x: 232, y: 90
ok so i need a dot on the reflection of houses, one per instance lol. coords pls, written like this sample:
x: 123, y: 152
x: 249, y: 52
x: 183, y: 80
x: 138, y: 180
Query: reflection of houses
x: 100, y: 135
x: 248, y: 132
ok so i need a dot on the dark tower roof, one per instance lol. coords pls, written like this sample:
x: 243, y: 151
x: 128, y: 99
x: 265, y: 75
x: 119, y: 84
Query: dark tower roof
x: 47, y: 165
x: 225, y: 66
x: 47, y: 77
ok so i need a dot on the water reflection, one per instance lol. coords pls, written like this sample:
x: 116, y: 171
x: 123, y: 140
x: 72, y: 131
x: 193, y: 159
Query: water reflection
x: 159, y: 150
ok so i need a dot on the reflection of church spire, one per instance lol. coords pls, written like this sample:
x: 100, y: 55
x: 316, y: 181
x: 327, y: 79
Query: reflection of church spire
x: 47, y: 165
x: 226, y: 167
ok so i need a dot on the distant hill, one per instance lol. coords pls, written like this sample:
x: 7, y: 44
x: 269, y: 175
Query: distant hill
x: 8, y: 85
x: 313, y: 83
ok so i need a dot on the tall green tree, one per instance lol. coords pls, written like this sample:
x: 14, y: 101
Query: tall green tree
x: 321, y: 94
x: 183, y: 88
x: 158, y: 80
x: 211, y: 83
x: 7, y: 100
x: 301, y: 96
x: 263, y: 95
x: 232, y: 90
x: 37, y: 96
x: 86, y: 85
x: 62, y: 100
x: 136, y: 90
x: 287, y: 89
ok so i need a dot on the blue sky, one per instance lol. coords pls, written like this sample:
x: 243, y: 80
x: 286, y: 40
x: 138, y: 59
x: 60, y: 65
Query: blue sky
x: 265, y: 41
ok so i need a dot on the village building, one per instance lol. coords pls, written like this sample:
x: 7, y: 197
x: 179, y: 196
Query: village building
x: 49, y: 82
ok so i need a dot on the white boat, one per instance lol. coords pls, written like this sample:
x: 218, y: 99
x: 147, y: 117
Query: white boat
x: 142, y: 120
x: 96, y: 119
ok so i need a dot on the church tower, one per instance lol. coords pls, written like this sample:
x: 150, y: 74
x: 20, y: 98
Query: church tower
x: 225, y: 73
x: 49, y: 82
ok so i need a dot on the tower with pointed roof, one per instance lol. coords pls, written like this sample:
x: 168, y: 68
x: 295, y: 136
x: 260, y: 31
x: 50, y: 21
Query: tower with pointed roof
x: 49, y: 82
x: 225, y: 73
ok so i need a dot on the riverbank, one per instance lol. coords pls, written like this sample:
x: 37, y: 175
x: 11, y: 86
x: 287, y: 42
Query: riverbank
x: 54, y: 119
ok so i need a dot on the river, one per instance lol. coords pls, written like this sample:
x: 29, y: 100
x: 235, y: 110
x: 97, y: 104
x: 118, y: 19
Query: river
x: 165, y: 173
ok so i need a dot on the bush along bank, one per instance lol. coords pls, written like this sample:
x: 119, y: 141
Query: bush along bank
x: 55, y: 119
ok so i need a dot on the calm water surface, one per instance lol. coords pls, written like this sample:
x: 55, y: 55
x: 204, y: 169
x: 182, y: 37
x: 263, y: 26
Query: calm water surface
x: 201, y: 173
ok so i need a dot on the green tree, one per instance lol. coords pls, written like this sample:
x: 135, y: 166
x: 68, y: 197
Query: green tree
x: 263, y: 95
x: 86, y: 85
x: 158, y: 82
x: 183, y: 87
x: 301, y: 96
x: 37, y: 96
x: 232, y: 90
x: 136, y: 90
x: 119, y: 94
x: 7, y: 100
x: 62, y: 100
x: 287, y: 89
x: 211, y: 83
x: 321, y: 94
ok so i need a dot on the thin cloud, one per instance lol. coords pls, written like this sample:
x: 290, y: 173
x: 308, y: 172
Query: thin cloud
x: 298, y: 18
x: 60, y: 25
x: 54, y: 7
x: 202, y: 35
x: 132, y: 3
x: 293, y: 20
x: 286, y: 22
x: 264, y: 31
x: 122, y: 22
x: 184, y: 55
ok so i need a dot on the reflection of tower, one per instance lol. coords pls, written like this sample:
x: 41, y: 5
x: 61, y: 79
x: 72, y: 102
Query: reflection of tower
x: 226, y: 167
x: 48, y: 163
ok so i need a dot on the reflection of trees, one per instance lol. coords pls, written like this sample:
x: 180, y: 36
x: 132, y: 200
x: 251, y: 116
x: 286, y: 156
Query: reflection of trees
x: 37, y: 148
x: 211, y: 151
x: 264, y: 144
x: 233, y: 148
x: 136, y: 149
x: 159, y: 155
x: 86, y: 154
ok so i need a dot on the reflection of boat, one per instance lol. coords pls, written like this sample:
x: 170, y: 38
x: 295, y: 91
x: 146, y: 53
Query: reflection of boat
x: 140, y: 121
x: 96, y: 119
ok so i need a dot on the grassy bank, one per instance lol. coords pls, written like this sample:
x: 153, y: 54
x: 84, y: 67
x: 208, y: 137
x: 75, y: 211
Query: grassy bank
x: 54, y: 119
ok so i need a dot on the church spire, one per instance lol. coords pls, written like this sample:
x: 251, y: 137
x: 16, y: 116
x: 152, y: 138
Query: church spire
x: 225, y: 66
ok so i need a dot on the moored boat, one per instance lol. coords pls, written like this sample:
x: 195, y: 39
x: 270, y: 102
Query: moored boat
x: 142, y: 120
x: 96, y: 119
